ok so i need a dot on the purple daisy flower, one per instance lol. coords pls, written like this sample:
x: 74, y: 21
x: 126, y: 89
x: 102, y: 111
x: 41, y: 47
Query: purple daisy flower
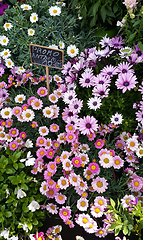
x: 88, y: 124
x: 125, y: 68
x: 138, y: 51
x: 101, y: 79
x: 139, y: 116
x: 109, y: 71
x: 66, y: 68
x: 126, y: 81
x: 87, y: 79
x: 117, y: 42
x: 100, y: 91
x: 76, y: 105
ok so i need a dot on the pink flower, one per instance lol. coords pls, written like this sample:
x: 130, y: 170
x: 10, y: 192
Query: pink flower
x: 22, y: 135
x: 93, y: 167
x: 65, y: 213
x: 39, y: 236
x: 87, y: 125
x: 50, y: 153
x: 76, y: 161
x: 13, y: 132
x: 99, y: 184
x: 13, y: 145
x: 54, y: 127
x: 42, y: 91
x: 41, y: 152
x: 99, y: 143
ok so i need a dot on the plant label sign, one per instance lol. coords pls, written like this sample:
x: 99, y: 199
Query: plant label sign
x: 48, y: 57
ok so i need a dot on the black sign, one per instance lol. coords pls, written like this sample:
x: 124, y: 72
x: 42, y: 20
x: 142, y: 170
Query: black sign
x: 46, y: 56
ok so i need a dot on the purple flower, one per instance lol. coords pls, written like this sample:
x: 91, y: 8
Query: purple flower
x: 126, y: 81
x: 117, y: 42
x: 87, y: 125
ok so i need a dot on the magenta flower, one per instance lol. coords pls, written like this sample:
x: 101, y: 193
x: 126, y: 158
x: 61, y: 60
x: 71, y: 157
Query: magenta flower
x: 50, y: 153
x: 87, y: 125
x: 76, y: 161
x: 22, y: 135
x: 93, y: 167
x: 42, y: 91
x: 126, y: 81
x: 99, y: 143
x: 65, y: 213
x: 13, y: 145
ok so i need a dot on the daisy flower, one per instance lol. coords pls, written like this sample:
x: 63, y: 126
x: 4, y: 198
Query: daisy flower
x: 13, y: 145
x: 6, y: 53
x: 96, y: 211
x: 116, y: 119
x: 31, y: 32
x: 109, y: 71
x: 125, y: 67
x: 94, y: 103
x: 50, y: 153
x: 67, y: 165
x: 65, y: 155
x: 28, y: 115
x: 82, y: 204
x: 106, y: 161
x: 48, y: 112
x: 101, y: 201
x: 4, y: 40
x: 72, y: 51
x: 76, y: 161
x: 52, y: 167
x: 99, y: 143
x: 136, y: 184
x: 87, y: 79
x: 43, y: 189
x: 118, y: 162
x: 9, y: 63
x: 63, y: 182
x: 52, y: 208
x: 51, y: 193
x: 54, y: 127
x: 74, y: 179
x: 61, y: 45
x: 93, y: 167
x: 53, y: 98
x: 99, y: 184
x: 20, y: 98
x: 60, y: 198
x: 34, y: 17
x: 83, y: 220
x: 132, y: 143
x: 100, y: 91
x: 13, y: 132
x: 41, y: 152
x: 37, y: 104
x: 126, y: 200
x: 79, y: 238
x: 139, y: 151
x: 54, y: 11
x: 40, y: 141
x: 65, y: 213
x: 76, y: 105
x: 34, y: 124
x: 87, y: 125
x: 7, y: 26
x: 101, y: 233
x: 126, y: 81
x: 26, y: 7
x: 6, y: 113
x: 70, y: 137
x: 69, y: 96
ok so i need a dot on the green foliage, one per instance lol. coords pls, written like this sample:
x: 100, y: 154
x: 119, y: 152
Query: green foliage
x: 125, y: 220
x: 132, y: 26
x: 100, y: 12
x: 14, y: 211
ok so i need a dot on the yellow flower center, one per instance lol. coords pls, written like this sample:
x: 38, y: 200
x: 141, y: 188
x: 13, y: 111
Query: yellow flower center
x: 117, y: 162
x: 4, y: 40
x: 5, y: 53
x: 84, y: 220
x: 34, y: 18
x: 99, y: 184
x: 54, y: 11
x: 83, y: 204
x: 136, y: 183
x: 72, y: 51
x: 60, y: 197
x: 63, y: 182
x: 97, y: 210
x: 132, y: 144
x: 100, y: 202
x: 28, y: 115
x: 106, y: 160
x: 7, y: 113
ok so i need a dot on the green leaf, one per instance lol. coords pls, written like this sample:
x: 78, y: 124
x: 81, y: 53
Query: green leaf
x: 94, y: 8
x: 103, y: 13
x: 21, y: 165
x: 24, y: 186
x: 131, y: 37
x: 140, y: 45
x: 8, y: 214
x: 15, y: 166
x: 13, y: 180
x: 112, y: 202
x: 13, y: 1
x: 1, y: 178
x: 125, y: 230
x: 10, y: 170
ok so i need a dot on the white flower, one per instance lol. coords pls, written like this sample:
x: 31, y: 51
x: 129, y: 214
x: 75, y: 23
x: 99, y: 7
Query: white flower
x: 31, y: 32
x: 26, y: 7
x: 79, y: 238
x: 34, y: 17
x: 29, y: 160
x: 116, y: 119
x: 4, y: 40
x: 6, y: 113
x: 31, y: 236
x: 29, y: 143
x: 4, y: 233
x: 7, y: 26
x: 24, y: 226
x: 55, y: 11
x: 61, y: 3
x: 61, y: 45
x: 13, y: 238
x: 5, y: 53
x: 33, y: 206
x: 20, y: 70
x: 28, y: 115
x: 9, y: 63
x: 72, y: 51
x: 20, y: 98
x: 21, y: 193
x: 53, y: 46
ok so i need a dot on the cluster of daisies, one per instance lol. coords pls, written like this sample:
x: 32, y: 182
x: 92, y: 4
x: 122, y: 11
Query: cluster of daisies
x: 72, y: 50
